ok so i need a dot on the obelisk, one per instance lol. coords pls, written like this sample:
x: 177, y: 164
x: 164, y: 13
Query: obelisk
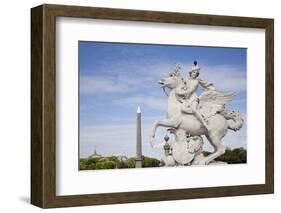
x: 138, y: 160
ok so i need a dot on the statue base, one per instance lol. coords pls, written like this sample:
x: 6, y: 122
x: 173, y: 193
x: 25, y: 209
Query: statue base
x: 185, y: 151
x: 138, y: 163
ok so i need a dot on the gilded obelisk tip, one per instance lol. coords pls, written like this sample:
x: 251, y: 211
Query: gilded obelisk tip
x: 138, y: 111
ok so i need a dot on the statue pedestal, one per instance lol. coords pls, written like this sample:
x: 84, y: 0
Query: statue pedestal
x: 181, y: 153
x: 217, y: 163
x: 138, y: 163
x: 184, y: 151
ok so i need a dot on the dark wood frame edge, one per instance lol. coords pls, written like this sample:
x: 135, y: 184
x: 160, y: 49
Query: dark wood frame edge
x: 43, y: 105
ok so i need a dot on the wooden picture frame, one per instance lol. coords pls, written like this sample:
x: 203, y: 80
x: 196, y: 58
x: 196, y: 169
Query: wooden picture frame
x: 43, y: 105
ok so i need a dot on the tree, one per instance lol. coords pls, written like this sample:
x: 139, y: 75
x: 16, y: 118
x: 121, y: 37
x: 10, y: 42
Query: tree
x: 131, y: 163
x: 150, y: 162
x: 109, y: 165
x: 234, y: 156
x: 113, y: 162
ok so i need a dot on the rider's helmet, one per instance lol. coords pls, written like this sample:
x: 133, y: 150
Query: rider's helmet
x: 195, y: 68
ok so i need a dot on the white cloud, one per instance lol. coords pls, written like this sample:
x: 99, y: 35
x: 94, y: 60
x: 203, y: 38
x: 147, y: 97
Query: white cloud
x: 121, y: 139
x: 117, y: 139
x: 124, y: 78
x: 94, y: 84
x: 225, y: 77
x: 130, y: 77
x: 149, y: 101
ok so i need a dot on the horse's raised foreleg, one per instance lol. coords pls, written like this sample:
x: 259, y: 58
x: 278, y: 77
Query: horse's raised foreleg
x: 166, y: 122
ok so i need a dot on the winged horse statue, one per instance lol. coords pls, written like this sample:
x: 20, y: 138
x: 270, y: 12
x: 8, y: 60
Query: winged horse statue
x: 197, y: 115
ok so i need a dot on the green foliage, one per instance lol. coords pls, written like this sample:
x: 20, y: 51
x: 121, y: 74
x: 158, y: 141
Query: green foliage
x: 89, y: 163
x: 234, y: 156
x: 113, y: 162
x: 122, y: 164
x: 105, y: 165
x: 150, y: 162
x: 109, y: 165
x: 131, y: 163
x: 99, y: 165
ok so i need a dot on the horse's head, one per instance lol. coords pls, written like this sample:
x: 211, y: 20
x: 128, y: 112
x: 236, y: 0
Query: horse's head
x: 171, y: 82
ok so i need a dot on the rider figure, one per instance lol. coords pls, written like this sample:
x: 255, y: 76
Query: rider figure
x: 187, y: 94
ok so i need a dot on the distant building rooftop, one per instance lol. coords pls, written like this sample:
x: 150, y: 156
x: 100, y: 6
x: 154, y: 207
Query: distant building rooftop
x: 95, y: 155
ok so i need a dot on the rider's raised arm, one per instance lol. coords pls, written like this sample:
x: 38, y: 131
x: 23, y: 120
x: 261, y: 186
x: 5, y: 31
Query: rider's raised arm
x: 206, y: 85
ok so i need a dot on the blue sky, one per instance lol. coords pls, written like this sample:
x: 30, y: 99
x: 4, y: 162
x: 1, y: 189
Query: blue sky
x: 115, y: 78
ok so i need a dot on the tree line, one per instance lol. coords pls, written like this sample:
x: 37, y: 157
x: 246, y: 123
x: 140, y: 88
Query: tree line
x: 234, y: 156
x: 114, y: 162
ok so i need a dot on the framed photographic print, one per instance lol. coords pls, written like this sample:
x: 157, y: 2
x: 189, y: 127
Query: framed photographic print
x: 136, y: 106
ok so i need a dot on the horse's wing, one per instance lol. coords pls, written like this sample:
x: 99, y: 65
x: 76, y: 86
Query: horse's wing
x: 213, y: 97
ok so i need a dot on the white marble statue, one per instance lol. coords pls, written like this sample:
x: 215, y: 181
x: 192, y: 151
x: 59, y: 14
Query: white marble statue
x: 190, y: 116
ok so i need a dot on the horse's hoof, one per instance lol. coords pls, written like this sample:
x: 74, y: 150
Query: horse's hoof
x: 200, y: 163
x: 204, y: 163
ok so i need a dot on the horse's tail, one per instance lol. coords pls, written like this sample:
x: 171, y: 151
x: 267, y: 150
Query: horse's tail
x: 234, y: 119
